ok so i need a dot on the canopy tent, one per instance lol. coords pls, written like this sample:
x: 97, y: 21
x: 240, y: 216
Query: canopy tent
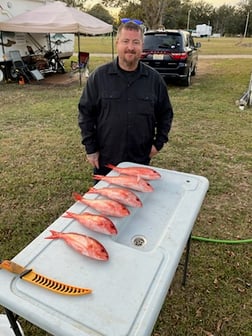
x: 56, y: 17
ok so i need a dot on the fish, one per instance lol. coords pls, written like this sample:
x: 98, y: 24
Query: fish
x: 146, y: 173
x: 93, y: 222
x: 132, y: 182
x: 83, y: 244
x: 124, y: 196
x: 104, y: 206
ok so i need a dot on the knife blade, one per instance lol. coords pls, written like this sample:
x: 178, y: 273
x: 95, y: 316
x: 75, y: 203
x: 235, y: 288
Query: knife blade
x: 42, y: 281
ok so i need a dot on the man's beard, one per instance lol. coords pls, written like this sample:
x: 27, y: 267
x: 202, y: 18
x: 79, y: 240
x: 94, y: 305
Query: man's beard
x: 132, y: 61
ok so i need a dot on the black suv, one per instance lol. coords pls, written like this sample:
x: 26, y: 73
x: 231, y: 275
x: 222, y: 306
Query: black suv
x: 172, y: 53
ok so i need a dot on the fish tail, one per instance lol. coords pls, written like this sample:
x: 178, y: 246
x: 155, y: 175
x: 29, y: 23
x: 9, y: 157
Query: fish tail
x: 110, y: 166
x: 98, y: 177
x: 77, y: 196
x: 68, y: 214
x: 54, y: 235
x: 92, y: 190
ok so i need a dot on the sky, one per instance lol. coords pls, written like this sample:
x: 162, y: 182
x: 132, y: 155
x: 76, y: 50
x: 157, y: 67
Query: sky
x: 218, y: 3
x: 215, y: 3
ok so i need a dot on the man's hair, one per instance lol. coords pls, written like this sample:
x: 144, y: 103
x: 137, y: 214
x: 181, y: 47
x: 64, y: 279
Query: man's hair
x: 130, y: 25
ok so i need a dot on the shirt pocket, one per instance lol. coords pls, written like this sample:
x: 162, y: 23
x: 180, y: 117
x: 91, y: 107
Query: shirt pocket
x: 111, y: 104
x: 145, y: 104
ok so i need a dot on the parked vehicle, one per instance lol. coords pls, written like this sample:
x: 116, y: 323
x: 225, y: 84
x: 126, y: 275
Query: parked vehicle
x: 41, y: 44
x: 203, y: 30
x: 173, y: 53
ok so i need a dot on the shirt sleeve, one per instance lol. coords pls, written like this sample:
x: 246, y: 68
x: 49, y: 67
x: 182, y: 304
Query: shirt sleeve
x: 164, y: 117
x: 87, y: 116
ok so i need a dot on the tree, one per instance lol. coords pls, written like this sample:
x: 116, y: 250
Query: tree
x: 229, y: 20
x: 101, y: 13
x: 149, y: 11
x: 224, y: 21
x: 133, y: 11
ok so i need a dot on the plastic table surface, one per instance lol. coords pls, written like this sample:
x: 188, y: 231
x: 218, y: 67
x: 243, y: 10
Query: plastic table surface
x: 128, y: 289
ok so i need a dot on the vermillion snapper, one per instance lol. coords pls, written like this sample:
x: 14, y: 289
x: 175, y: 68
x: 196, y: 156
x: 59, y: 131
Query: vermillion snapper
x: 146, y: 173
x: 83, y: 244
x: 104, y: 206
x: 93, y: 222
x: 121, y: 195
x: 132, y: 182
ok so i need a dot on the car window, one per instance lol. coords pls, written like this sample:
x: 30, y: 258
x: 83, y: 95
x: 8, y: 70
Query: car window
x: 162, y: 41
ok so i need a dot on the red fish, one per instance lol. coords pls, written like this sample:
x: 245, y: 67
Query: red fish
x: 121, y: 195
x: 104, y: 206
x: 132, y: 182
x: 94, y: 222
x: 143, y: 172
x: 85, y: 245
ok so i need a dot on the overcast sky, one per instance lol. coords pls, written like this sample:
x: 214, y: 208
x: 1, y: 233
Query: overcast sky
x: 215, y: 3
x: 218, y: 3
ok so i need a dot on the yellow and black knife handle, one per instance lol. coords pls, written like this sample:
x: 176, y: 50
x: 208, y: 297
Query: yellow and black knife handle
x: 53, y: 285
x: 42, y: 281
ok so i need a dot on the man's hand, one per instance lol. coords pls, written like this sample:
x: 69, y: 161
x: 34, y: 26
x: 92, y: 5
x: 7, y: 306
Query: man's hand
x: 153, y: 151
x: 93, y: 159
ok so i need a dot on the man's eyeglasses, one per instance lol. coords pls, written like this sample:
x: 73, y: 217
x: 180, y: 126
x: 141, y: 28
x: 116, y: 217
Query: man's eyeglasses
x: 125, y: 20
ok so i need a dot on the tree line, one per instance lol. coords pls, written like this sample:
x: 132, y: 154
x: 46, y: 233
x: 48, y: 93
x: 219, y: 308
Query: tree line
x: 226, y: 20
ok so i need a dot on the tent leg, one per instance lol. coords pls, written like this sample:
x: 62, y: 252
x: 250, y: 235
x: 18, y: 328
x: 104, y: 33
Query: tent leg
x: 79, y: 59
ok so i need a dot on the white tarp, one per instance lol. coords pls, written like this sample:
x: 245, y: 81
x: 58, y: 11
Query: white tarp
x: 56, y: 18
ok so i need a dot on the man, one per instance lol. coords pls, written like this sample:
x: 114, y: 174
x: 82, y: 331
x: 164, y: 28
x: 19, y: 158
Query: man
x: 125, y: 112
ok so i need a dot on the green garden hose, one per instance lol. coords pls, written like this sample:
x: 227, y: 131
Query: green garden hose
x: 211, y: 240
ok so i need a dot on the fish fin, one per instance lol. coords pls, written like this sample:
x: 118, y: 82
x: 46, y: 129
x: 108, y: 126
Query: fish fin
x: 110, y: 166
x: 77, y: 196
x: 54, y: 235
x: 138, y: 178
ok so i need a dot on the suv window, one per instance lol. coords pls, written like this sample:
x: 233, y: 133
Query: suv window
x: 162, y: 41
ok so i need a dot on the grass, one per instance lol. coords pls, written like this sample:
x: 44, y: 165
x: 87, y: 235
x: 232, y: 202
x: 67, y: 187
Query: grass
x: 42, y: 162
x: 209, y: 46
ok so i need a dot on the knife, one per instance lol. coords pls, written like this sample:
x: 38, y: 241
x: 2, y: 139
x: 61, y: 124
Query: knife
x: 42, y: 281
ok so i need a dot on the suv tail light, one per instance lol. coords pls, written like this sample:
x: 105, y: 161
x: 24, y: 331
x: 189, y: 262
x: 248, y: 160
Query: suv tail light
x: 179, y: 56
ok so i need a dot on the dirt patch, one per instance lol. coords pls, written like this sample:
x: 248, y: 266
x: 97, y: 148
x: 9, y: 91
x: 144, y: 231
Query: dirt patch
x: 204, y: 67
x: 65, y: 79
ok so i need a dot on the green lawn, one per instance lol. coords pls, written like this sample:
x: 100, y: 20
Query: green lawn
x: 236, y: 45
x: 42, y: 162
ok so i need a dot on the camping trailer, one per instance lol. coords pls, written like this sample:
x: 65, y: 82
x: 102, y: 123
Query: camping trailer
x: 203, y: 30
x: 28, y: 43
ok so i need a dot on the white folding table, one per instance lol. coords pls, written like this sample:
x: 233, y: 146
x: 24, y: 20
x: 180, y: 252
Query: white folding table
x: 128, y: 289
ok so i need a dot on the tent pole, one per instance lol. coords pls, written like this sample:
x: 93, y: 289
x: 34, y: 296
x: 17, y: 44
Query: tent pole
x: 113, y: 51
x: 79, y: 58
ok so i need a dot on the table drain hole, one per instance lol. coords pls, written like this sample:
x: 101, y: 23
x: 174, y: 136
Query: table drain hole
x: 139, y: 241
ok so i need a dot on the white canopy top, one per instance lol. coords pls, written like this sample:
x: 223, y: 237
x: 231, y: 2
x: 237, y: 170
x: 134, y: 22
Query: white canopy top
x: 56, y: 18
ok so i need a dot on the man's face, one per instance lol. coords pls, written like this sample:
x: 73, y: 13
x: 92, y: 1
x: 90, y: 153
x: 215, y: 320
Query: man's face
x: 129, y: 47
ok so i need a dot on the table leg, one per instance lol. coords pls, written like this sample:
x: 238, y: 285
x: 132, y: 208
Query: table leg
x: 13, y: 322
x: 188, y: 245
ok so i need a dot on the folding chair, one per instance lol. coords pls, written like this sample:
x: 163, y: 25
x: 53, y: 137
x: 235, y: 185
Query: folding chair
x: 83, y: 63
x: 19, y: 66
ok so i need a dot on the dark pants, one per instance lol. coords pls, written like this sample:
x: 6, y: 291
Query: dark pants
x: 101, y: 171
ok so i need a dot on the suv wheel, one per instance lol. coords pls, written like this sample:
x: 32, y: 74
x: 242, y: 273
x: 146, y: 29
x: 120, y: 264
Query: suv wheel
x: 187, y: 80
x: 194, y: 70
